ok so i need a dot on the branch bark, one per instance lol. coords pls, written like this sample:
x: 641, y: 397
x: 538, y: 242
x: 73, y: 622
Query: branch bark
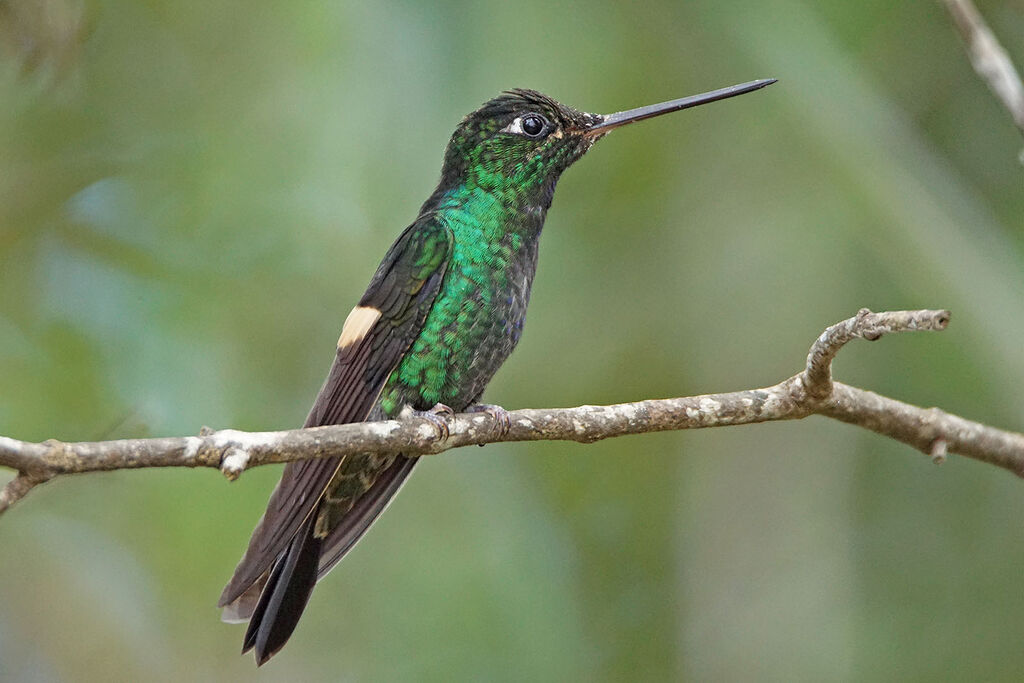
x: 990, y: 60
x: 810, y: 392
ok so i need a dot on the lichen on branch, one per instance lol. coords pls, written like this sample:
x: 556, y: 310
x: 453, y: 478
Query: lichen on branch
x: 810, y: 392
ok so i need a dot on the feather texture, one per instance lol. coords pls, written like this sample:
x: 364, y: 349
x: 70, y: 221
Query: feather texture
x: 402, y: 289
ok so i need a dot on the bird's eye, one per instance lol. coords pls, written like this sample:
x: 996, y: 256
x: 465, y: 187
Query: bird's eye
x: 530, y: 125
x: 533, y: 125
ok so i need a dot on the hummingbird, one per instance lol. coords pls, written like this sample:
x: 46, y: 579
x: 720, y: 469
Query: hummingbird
x: 442, y: 312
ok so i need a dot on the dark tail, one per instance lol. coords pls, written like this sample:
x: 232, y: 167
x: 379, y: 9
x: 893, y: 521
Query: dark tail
x: 273, y: 602
x: 364, y: 513
x: 285, y: 595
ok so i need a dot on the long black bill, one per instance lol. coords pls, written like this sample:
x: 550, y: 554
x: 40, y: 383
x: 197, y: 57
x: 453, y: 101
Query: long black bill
x: 621, y: 118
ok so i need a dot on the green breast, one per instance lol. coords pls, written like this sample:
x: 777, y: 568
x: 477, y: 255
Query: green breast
x: 477, y: 317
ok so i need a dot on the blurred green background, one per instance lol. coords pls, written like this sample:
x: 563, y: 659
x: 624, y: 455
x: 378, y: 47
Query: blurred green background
x: 192, y: 196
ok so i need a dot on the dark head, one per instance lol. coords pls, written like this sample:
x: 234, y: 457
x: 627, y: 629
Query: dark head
x: 519, y: 143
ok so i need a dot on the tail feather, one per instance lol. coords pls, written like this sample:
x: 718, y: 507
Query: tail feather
x: 364, y: 513
x: 274, y: 601
x: 284, y: 596
x: 239, y: 611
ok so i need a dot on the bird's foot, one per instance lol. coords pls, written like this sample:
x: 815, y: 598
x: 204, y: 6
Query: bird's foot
x: 502, y: 418
x: 438, y: 416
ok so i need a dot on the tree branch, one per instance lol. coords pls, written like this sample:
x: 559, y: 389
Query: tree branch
x: 811, y: 392
x: 989, y: 59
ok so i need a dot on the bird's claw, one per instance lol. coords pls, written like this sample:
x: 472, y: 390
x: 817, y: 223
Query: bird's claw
x: 502, y: 418
x: 437, y: 416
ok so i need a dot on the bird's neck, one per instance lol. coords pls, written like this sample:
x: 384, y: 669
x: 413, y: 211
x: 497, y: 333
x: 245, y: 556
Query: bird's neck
x: 477, y: 212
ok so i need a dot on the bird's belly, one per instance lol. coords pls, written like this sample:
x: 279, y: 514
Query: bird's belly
x: 473, y: 326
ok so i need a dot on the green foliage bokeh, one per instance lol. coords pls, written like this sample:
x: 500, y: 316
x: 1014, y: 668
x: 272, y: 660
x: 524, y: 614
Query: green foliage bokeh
x: 192, y: 196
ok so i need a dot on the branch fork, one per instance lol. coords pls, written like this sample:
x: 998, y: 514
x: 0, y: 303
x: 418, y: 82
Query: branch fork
x: 810, y: 392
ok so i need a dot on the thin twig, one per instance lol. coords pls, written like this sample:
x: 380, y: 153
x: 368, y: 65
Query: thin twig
x: 865, y: 325
x: 989, y: 59
x: 16, y: 489
x: 811, y: 392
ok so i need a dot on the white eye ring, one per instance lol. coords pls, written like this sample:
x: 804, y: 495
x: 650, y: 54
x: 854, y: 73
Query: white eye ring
x: 516, y: 127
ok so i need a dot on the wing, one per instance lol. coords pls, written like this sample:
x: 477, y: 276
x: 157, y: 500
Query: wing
x: 376, y: 334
